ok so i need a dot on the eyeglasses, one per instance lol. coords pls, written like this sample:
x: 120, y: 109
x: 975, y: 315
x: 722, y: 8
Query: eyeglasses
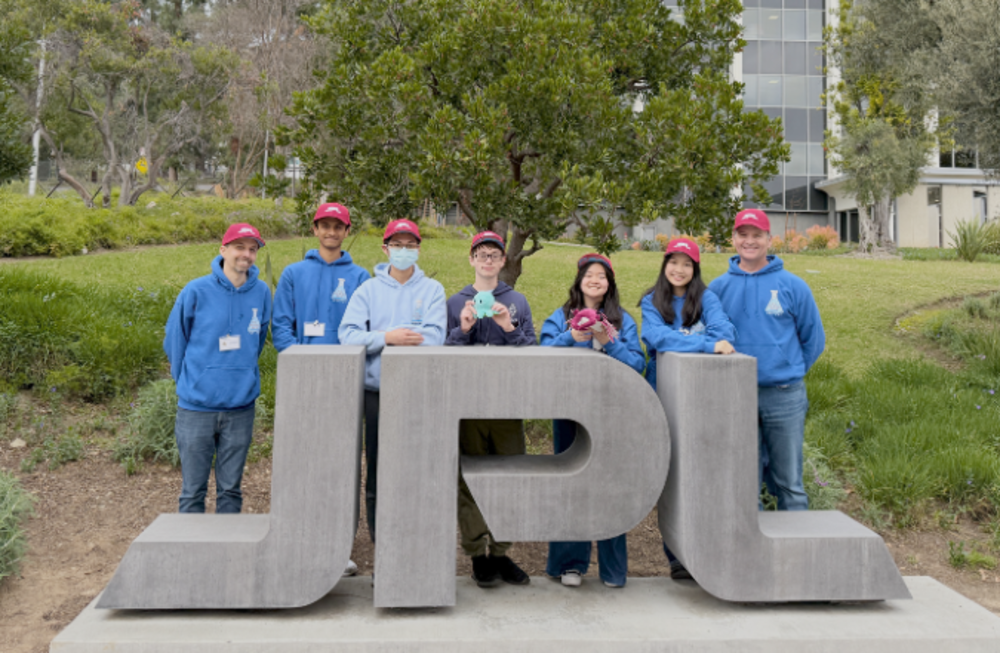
x: 483, y: 257
x: 397, y: 246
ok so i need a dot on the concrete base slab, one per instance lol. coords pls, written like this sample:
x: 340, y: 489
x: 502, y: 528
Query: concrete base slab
x: 650, y: 614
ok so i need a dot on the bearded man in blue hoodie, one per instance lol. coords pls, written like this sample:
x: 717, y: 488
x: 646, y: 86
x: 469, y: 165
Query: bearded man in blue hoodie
x: 312, y: 294
x: 510, y: 324
x: 777, y: 322
x: 399, y: 307
x: 214, y: 336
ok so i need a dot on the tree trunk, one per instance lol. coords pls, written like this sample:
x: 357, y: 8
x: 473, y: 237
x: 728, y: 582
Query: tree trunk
x: 516, y: 253
x: 64, y: 175
x: 882, y: 218
x: 874, y: 224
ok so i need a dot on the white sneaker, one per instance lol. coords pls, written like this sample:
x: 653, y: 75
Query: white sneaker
x: 352, y: 569
x: 613, y: 586
x: 572, y: 578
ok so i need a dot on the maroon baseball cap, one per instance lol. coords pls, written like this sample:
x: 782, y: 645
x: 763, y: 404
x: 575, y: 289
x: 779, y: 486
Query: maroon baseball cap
x: 401, y: 226
x: 594, y: 257
x: 754, y: 217
x: 242, y: 230
x: 333, y: 210
x: 684, y: 246
x: 484, y: 237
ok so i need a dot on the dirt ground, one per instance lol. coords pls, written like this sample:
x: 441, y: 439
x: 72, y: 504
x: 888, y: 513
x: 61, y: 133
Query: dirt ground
x: 88, y: 512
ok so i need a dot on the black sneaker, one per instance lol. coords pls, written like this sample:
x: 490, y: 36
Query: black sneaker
x: 484, y: 571
x: 679, y: 571
x: 509, y: 572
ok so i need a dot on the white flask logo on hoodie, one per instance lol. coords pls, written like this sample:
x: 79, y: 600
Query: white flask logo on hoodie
x: 339, y: 295
x: 774, y: 306
x: 254, y: 323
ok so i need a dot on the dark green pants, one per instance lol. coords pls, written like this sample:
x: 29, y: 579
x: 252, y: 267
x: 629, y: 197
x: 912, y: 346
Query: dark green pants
x: 497, y: 437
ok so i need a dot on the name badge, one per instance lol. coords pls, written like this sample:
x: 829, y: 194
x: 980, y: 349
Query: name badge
x: 229, y: 343
x: 315, y: 329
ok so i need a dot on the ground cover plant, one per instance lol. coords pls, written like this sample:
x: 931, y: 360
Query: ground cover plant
x: 15, y: 506
x: 899, y: 431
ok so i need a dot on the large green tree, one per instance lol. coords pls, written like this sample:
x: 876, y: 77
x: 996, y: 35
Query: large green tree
x: 15, y: 49
x: 882, y: 104
x: 531, y: 114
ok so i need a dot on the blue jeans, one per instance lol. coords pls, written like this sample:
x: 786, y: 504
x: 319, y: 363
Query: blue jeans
x: 781, y: 412
x: 612, y: 554
x: 201, y: 437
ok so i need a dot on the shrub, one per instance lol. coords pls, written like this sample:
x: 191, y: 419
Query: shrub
x: 792, y: 242
x: 991, y: 238
x: 15, y: 506
x: 969, y: 238
x: 150, y: 434
x: 825, y: 237
x: 56, y: 450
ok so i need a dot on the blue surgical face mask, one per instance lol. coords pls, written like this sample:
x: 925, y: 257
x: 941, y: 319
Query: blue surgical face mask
x: 403, y: 259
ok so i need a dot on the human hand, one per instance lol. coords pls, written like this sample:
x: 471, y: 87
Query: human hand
x: 502, y: 317
x: 467, y: 318
x: 581, y: 336
x: 723, y: 347
x: 403, y: 338
x: 600, y: 334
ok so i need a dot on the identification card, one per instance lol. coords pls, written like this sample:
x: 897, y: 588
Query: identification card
x: 315, y: 329
x: 229, y: 343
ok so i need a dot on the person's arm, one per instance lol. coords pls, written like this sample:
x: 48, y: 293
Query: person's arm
x: 456, y: 336
x: 664, y: 337
x: 354, y: 325
x: 626, y: 347
x: 283, y: 328
x: 265, y: 321
x: 524, y: 333
x: 435, y: 319
x: 178, y: 332
x: 809, y: 326
x: 555, y: 333
x: 717, y: 324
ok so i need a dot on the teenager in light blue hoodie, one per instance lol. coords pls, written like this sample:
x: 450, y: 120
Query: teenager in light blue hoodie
x: 680, y: 314
x: 594, y: 288
x: 312, y: 294
x: 214, y: 336
x: 399, y: 307
x: 777, y: 322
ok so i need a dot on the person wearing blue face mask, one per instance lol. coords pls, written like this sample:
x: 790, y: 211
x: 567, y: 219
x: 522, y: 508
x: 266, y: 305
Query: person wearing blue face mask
x: 399, y: 307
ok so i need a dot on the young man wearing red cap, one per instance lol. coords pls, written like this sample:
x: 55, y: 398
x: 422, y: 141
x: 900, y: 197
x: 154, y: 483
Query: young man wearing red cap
x: 214, y: 336
x: 777, y: 321
x: 312, y: 294
x: 399, y: 307
x: 509, y: 324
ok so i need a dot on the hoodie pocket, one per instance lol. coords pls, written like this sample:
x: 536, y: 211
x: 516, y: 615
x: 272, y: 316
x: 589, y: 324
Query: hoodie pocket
x: 226, y: 387
x: 773, y: 364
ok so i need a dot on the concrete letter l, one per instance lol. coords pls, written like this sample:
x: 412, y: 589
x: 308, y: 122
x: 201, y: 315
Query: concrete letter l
x: 294, y: 555
x: 602, y: 486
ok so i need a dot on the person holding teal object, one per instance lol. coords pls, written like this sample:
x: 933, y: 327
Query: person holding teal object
x: 594, y: 288
x: 680, y: 314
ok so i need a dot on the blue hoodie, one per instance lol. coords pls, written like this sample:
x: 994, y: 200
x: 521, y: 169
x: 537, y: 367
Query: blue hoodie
x: 486, y: 331
x: 776, y: 319
x: 209, y: 308
x: 382, y: 304
x: 625, y: 348
x: 657, y: 335
x: 313, y: 290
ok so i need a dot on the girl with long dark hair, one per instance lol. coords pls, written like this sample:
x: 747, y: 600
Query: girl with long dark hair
x: 594, y: 288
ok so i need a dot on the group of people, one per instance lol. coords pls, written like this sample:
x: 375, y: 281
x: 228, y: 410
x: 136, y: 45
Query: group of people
x: 219, y: 324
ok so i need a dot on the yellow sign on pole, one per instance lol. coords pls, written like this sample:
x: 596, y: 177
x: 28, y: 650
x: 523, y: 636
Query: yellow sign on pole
x: 141, y: 165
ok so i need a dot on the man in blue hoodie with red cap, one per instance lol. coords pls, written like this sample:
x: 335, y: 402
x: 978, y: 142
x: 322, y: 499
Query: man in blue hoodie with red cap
x: 214, y: 336
x: 777, y: 322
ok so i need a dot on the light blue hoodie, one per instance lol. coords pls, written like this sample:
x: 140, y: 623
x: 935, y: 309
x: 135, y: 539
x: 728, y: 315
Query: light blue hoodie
x: 699, y: 338
x: 776, y: 319
x: 382, y: 304
x: 209, y: 308
x: 313, y: 290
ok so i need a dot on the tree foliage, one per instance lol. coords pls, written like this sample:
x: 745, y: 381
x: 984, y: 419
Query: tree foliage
x: 15, y: 67
x: 882, y: 104
x: 534, y: 114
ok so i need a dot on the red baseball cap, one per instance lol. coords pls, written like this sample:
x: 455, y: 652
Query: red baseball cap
x: 754, y: 217
x: 594, y: 257
x: 487, y: 237
x: 401, y: 226
x: 242, y: 230
x: 333, y: 210
x: 684, y: 246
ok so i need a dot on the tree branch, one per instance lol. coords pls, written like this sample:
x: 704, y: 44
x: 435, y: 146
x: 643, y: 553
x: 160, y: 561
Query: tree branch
x: 463, y: 203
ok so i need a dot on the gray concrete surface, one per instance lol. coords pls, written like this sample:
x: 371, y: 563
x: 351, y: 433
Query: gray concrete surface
x: 292, y: 556
x: 604, y: 485
x: 648, y: 615
x: 708, y: 513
